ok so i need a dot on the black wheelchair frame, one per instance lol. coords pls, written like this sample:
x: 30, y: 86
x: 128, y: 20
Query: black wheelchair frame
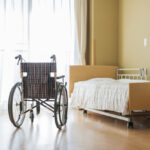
x: 55, y: 92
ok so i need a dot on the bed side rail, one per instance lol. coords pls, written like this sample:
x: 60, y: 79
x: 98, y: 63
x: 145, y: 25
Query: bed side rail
x: 132, y: 73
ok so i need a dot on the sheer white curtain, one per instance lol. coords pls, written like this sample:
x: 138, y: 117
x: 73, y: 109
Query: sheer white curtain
x: 51, y: 32
x: 36, y: 29
x: 14, y: 22
x: 80, y: 28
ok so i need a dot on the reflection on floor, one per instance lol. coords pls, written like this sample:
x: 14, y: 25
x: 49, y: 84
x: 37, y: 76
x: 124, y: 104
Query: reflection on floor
x: 83, y: 132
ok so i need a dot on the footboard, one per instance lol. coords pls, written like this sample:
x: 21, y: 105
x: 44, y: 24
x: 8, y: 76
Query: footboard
x: 139, y: 96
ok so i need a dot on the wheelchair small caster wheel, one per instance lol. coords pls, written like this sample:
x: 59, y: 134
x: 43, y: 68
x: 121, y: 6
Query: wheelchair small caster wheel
x: 31, y: 116
x: 84, y: 111
x: 130, y: 125
x: 38, y: 107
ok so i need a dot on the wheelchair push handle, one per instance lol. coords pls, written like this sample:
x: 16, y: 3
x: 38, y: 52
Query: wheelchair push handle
x: 53, y: 57
x: 19, y: 57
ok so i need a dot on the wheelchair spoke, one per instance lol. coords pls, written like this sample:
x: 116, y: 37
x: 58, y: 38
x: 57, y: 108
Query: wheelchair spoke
x: 18, y: 118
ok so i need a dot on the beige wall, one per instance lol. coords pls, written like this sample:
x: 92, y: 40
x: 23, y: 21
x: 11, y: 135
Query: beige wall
x: 117, y: 31
x: 103, y: 32
x: 134, y: 26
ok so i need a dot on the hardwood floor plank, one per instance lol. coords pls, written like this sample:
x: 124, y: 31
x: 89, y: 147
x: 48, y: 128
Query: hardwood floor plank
x: 82, y: 132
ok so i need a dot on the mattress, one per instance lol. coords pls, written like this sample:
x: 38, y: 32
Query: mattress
x: 102, y: 94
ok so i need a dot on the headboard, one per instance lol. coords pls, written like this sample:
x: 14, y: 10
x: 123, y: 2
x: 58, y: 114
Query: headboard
x: 81, y: 73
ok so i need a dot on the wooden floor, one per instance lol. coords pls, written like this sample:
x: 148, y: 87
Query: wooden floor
x: 83, y: 132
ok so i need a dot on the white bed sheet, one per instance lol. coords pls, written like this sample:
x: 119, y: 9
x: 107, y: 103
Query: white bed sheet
x: 103, y: 94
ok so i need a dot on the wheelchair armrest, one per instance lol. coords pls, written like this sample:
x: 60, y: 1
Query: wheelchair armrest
x: 60, y: 77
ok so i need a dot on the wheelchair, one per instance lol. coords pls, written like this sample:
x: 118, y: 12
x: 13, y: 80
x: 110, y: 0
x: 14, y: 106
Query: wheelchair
x: 39, y: 86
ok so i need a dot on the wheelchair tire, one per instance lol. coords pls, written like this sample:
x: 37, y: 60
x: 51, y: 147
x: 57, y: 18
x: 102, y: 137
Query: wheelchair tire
x: 16, y: 105
x: 63, y: 117
x: 61, y: 107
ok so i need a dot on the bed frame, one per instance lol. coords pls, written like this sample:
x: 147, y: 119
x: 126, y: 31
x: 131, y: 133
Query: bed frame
x: 139, y: 93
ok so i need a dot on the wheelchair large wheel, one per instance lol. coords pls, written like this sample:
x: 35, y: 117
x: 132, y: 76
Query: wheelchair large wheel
x: 16, y: 105
x: 61, y: 107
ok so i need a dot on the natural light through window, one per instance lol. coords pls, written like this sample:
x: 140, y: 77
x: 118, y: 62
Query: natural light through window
x: 35, y: 29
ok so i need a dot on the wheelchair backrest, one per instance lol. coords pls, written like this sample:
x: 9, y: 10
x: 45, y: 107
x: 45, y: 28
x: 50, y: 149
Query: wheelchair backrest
x: 31, y: 68
x: 38, y: 83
